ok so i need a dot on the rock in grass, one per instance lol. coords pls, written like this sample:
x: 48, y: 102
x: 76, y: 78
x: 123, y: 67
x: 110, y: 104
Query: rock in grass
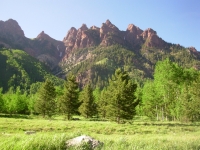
x: 85, y: 141
x: 30, y: 132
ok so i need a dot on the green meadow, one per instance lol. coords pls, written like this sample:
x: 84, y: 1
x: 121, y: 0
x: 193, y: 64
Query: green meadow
x: 140, y: 134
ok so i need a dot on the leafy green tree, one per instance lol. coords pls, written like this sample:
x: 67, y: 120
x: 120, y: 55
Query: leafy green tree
x: 1, y: 101
x: 122, y: 101
x: 68, y: 103
x: 192, y: 103
x: 35, y: 87
x: 20, y: 102
x: 150, y: 103
x: 88, y: 107
x: 172, y: 93
x: 168, y: 77
x: 45, y: 104
x: 15, y: 102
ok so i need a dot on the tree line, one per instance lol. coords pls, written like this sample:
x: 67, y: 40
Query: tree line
x: 117, y: 101
x: 172, y: 95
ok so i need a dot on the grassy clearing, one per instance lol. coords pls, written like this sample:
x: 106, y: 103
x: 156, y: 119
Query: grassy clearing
x: 52, y: 134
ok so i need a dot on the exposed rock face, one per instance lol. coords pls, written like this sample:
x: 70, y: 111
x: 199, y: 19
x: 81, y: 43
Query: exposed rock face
x: 51, y: 43
x: 192, y: 49
x: 11, y: 26
x: 11, y: 34
x: 82, y: 140
x: 152, y: 40
x: 45, y: 48
x: 133, y: 35
x: 81, y: 38
x: 109, y: 34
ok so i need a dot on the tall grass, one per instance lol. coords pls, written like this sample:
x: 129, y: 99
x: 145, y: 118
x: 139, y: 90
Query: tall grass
x: 140, y: 135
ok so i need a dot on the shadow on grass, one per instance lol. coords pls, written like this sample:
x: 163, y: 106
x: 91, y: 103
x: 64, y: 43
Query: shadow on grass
x: 16, y: 116
x: 144, y: 120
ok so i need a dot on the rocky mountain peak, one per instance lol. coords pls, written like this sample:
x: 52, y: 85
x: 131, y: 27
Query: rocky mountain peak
x: 134, y: 29
x: 152, y: 39
x: 94, y: 28
x: 11, y: 26
x: 148, y: 33
x: 43, y: 36
x: 108, y: 22
x: 83, y: 27
x: 109, y: 34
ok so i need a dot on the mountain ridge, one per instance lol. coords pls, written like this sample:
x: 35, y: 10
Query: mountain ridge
x: 94, y: 53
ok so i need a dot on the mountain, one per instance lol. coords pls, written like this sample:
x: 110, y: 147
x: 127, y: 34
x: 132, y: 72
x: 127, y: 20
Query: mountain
x: 17, y: 68
x: 43, y: 47
x: 109, y: 34
x: 94, y: 53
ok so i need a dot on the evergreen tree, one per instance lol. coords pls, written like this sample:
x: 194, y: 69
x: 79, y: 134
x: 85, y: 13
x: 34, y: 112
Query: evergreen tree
x: 122, y: 101
x: 45, y: 104
x: 69, y: 101
x: 103, y: 103
x: 88, y: 107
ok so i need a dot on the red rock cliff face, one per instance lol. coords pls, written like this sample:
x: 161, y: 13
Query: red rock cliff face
x: 152, y: 40
x: 43, y: 47
x: 11, y: 26
x: 133, y: 35
x: 109, y: 34
x: 81, y: 38
x: 11, y: 34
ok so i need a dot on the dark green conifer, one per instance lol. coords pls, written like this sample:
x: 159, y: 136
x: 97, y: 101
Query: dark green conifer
x: 69, y: 101
x: 88, y: 107
x: 45, y: 104
x: 122, y: 101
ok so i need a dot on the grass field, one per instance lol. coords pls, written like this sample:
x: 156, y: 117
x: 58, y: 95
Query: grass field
x: 140, y: 135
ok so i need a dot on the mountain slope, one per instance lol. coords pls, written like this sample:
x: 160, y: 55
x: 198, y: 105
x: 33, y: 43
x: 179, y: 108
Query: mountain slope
x: 17, y: 68
x: 43, y: 47
x: 94, y: 53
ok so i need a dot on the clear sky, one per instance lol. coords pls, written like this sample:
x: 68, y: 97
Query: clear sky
x: 176, y: 21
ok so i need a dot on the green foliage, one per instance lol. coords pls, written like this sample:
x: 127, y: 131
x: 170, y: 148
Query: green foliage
x: 1, y: 101
x: 88, y: 106
x: 103, y: 103
x: 15, y: 102
x: 68, y: 102
x: 172, y: 94
x: 45, y: 104
x: 122, y: 101
x: 102, y: 63
x: 17, y: 68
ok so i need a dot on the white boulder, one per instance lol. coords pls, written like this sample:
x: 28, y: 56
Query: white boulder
x: 82, y: 140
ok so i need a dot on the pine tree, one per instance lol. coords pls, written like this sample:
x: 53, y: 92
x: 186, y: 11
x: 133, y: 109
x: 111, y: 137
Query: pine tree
x: 69, y: 101
x: 45, y: 104
x: 88, y: 107
x: 103, y: 103
x: 122, y: 101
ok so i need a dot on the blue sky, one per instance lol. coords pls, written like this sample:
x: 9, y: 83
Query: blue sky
x: 176, y: 21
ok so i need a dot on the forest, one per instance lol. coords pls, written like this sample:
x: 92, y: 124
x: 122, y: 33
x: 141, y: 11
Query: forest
x: 172, y: 95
